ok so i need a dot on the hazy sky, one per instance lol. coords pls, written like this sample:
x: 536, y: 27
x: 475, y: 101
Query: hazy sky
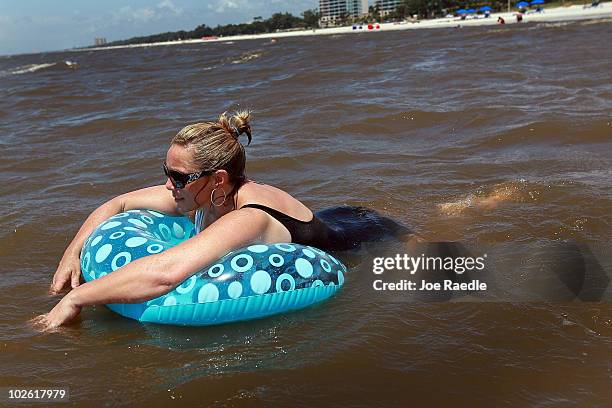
x: 44, y: 25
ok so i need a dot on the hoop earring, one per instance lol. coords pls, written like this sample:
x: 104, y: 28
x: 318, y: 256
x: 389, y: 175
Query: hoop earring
x: 212, y: 197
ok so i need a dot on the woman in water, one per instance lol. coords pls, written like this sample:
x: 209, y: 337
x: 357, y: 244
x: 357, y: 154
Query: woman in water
x: 206, y: 180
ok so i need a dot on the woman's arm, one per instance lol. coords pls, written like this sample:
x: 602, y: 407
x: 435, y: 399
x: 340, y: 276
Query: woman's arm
x: 155, y: 275
x: 155, y: 198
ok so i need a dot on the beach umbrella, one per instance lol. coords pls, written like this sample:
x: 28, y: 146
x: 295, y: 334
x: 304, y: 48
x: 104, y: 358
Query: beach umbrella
x: 471, y: 11
x: 461, y: 11
x: 522, y: 4
x: 537, y: 2
x: 487, y: 8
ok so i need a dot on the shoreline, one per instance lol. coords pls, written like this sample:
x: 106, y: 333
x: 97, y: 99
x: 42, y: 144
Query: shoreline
x: 557, y: 14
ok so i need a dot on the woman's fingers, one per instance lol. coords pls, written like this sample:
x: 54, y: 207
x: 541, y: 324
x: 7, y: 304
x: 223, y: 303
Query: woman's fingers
x: 68, y: 273
x: 60, y: 279
x: 41, y: 324
x: 76, y: 274
x: 63, y: 313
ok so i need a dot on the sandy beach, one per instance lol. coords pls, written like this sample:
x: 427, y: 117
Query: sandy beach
x: 557, y: 14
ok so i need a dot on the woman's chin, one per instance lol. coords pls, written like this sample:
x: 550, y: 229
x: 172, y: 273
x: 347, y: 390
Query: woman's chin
x: 183, y: 206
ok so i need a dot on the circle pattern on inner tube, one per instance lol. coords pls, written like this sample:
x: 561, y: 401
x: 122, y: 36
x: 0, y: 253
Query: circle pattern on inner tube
x: 103, y: 252
x: 245, y: 260
x: 285, y: 277
x: 261, y: 282
x: 208, y: 293
x: 285, y: 247
x: 216, y: 270
x: 137, y: 223
x: 126, y: 259
x: 86, y: 261
x: 308, y: 253
x: 234, y: 290
x: 134, y: 242
x: 116, y: 234
x: 186, y: 286
x: 276, y: 260
x: 258, y: 249
x: 179, y: 232
x: 165, y: 232
x: 245, y: 277
x: 303, y: 267
x: 110, y: 224
x: 317, y: 283
x: 155, y: 248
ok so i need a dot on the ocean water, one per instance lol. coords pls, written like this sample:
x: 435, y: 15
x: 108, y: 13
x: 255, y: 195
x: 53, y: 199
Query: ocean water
x: 418, y: 125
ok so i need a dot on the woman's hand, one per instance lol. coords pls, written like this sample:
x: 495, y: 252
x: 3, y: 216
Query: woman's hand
x: 152, y: 276
x: 68, y: 271
x: 64, y: 312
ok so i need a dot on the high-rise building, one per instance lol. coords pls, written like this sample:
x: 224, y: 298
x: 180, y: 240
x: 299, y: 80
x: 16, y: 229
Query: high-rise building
x: 357, y: 8
x: 332, y: 10
x: 387, y: 6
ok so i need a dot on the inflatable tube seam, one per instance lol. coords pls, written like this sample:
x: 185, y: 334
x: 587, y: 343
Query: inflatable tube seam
x: 230, y: 310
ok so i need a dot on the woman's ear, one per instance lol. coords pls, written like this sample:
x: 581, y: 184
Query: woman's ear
x: 221, y: 178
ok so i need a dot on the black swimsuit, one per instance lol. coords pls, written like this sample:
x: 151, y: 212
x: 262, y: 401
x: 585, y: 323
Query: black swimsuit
x: 314, y: 232
x: 351, y: 226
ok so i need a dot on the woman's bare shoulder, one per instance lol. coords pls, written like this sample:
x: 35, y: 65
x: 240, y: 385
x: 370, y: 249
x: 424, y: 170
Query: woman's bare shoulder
x: 273, y: 197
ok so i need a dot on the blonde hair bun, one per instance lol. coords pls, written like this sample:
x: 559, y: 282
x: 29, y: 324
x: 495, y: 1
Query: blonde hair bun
x: 237, y: 123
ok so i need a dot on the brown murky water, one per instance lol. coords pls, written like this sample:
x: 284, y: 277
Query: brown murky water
x: 417, y: 124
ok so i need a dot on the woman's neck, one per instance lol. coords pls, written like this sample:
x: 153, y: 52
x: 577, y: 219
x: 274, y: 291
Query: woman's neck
x: 213, y: 212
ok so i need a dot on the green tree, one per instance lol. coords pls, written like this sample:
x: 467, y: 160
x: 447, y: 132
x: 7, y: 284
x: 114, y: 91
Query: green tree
x: 202, y: 31
x: 311, y: 18
x: 278, y: 21
x: 344, y: 18
x: 284, y: 21
x: 374, y: 13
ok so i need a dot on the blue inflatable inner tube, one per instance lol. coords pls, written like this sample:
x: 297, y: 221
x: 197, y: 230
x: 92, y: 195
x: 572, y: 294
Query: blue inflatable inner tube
x: 249, y: 283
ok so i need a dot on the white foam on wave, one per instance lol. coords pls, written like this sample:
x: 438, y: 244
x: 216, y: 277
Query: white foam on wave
x: 247, y: 56
x: 30, y: 68
x: 25, y: 69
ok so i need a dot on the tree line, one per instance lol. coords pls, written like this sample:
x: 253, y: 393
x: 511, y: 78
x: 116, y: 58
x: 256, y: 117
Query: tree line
x: 278, y: 21
x: 310, y: 19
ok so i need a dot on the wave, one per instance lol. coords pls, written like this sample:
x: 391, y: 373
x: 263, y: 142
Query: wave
x: 247, y: 56
x: 30, y: 68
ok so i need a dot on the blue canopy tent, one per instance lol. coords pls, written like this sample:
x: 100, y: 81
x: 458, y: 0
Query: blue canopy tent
x: 535, y: 2
x: 470, y: 11
x: 487, y: 8
x: 461, y: 11
x: 522, y: 4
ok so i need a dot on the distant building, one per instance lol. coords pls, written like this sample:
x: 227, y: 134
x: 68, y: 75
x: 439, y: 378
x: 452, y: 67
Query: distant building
x: 99, y: 41
x: 333, y: 10
x: 357, y: 8
x: 387, y: 6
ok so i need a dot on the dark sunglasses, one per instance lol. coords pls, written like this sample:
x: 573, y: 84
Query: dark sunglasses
x: 180, y: 180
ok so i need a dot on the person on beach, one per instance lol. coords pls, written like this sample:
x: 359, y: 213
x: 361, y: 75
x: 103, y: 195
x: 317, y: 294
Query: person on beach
x: 500, y: 20
x: 206, y: 180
